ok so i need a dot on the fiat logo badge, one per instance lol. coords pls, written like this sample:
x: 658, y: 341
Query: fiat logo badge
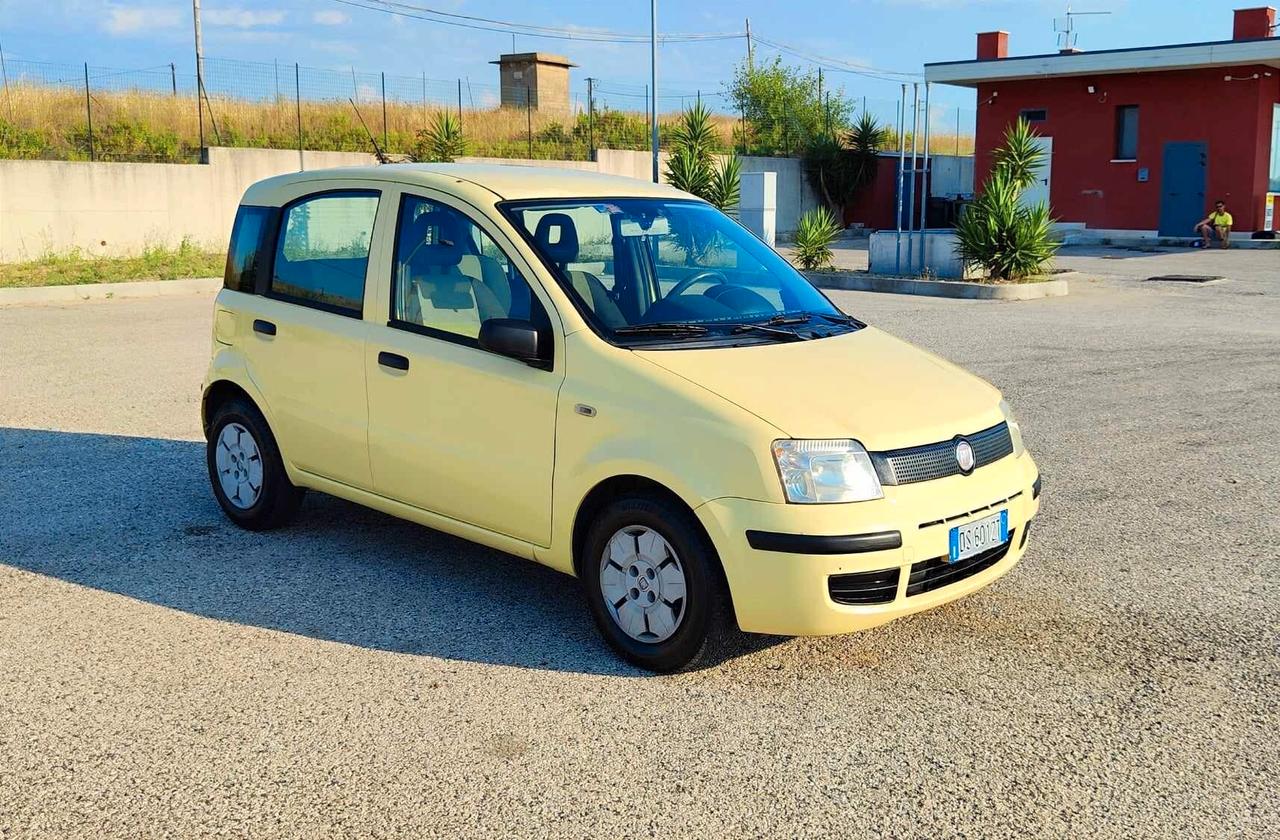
x: 964, y: 456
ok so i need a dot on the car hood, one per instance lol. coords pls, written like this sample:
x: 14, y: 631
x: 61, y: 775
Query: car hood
x: 866, y: 385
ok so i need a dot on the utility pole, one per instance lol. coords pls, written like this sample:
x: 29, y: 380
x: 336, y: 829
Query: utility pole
x: 751, y: 65
x: 591, y: 118
x: 653, y: 83
x: 195, y: 14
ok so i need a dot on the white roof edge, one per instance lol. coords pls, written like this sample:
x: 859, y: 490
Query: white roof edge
x: 1142, y: 60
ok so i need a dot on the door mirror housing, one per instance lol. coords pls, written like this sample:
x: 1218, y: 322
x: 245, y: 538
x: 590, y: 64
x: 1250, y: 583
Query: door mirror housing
x: 516, y: 339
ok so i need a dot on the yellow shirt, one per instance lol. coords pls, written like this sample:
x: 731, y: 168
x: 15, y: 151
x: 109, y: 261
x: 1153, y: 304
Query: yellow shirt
x: 1222, y: 219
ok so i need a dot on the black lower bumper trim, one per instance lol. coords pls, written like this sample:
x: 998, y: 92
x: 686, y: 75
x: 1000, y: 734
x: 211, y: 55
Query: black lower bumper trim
x: 814, y: 544
x: 1035, y: 487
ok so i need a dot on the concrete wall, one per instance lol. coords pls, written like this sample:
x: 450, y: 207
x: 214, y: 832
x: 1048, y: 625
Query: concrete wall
x: 117, y: 209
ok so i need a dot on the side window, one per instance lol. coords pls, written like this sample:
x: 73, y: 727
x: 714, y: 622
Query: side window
x: 1126, y: 132
x: 450, y: 276
x: 323, y: 251
x: 245, y: 254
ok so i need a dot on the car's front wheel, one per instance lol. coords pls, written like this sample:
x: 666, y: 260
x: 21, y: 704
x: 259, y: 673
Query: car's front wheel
x: 654, y: 584
x: 245, y: 469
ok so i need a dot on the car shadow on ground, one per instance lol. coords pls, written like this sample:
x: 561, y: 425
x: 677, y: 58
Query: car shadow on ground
x: 135, y: 516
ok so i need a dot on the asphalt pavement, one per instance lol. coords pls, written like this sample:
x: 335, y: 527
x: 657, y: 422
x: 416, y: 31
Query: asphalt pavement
x: 164, y: 674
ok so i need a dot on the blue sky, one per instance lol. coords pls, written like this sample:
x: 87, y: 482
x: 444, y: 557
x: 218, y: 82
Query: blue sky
x: 897, y: 35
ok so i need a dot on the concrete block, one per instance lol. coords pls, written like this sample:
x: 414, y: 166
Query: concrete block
x: 758, y: 206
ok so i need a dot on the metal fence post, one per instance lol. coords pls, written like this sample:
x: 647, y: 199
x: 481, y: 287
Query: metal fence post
x: 173, y: 77
x: 88, y: 110
x: 591, y: 119
x: 297, y: 99
x: 384, y: 109
x: 528, y: 116
x: 459, y: 104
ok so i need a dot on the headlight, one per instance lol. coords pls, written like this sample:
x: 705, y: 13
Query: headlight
x: 816, y: 471
x: 1015, y: 431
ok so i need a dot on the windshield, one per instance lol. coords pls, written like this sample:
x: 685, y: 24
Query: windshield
x: 659, y: 271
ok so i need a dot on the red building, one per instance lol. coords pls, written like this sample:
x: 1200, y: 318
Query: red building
x: 1141, y: 140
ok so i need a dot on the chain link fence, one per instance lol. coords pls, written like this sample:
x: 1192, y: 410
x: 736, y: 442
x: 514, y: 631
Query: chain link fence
x: 83, y: 112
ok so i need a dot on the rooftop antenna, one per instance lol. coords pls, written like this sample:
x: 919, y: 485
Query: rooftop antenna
x: 377, y: 150
x: 1066, y: 29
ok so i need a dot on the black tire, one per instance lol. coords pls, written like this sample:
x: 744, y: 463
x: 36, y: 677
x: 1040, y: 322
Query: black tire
x: 706, y: 621
x: 278, y: 499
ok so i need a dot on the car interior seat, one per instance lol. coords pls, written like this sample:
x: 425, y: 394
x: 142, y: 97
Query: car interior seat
x: 436, y: 293
x: 557, y: 238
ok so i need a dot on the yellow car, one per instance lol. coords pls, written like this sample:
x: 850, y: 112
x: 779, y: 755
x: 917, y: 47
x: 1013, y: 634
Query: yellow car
x: 611, y: 378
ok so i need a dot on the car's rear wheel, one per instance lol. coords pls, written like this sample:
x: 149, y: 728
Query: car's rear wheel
x: 245, y: 469
x: 654, y: 585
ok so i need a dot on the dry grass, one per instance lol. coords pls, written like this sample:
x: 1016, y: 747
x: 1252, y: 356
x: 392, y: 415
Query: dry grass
x: 50, y: 122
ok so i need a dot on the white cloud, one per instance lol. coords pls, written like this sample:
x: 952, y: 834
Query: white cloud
x: 242, y: 18
x: 331, y: 17
x: 129, y: 20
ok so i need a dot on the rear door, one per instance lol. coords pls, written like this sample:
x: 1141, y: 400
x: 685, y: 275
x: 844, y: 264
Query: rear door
x: 307, y: 335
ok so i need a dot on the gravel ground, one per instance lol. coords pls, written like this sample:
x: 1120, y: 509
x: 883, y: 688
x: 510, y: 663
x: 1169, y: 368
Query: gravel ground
x: 162, y: 673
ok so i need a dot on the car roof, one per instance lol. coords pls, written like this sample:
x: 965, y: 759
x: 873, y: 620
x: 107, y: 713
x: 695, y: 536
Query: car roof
x: 505, y: 181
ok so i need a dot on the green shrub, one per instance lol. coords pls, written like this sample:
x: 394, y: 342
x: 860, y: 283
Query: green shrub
x: 815, y: 232
x: 997, y: 232
x: 693, y: 165
x: 442, y: 141
x: 839, y: 164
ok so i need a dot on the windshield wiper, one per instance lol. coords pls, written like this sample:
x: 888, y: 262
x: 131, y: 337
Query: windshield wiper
x: 672, y: 328
x: 840, y: 318
x: 768, y: 330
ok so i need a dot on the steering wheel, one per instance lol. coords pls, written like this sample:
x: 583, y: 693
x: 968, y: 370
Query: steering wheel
x: 706, y: 274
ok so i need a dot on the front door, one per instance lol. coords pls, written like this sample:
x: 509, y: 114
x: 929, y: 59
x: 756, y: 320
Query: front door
x: 453, y: 428
x: 1038, y: 191
x: 1182, y: 180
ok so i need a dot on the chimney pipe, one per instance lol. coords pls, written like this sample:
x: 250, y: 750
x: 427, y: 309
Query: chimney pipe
x: 1254, y: 23
x: 993, y: 45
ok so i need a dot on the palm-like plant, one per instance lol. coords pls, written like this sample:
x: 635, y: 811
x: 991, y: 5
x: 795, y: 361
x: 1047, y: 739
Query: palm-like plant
x: 1020, y: 156
x: 442, y: 141
x: 815, y: 232
x: 997, y: 231
x: 693, y: 165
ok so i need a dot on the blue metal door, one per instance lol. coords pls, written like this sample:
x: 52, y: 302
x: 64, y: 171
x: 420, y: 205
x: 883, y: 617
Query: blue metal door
x: 1182, y: 179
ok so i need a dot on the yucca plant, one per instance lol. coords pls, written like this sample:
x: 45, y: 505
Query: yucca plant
x: 693, y: 166
x: 815, y: 232
x: 442, y: 141
x: 1008, y: 240
x: 1020, y: 156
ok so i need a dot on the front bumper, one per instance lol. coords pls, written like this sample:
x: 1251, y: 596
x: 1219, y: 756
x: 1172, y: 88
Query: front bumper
x: 778, y: 591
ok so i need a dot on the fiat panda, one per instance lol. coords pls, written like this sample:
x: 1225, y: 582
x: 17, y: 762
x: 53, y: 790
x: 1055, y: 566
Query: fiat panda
x: 611, y: 378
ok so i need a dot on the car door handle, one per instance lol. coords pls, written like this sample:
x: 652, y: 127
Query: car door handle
x: 393, y: 360
x: 264, y: 327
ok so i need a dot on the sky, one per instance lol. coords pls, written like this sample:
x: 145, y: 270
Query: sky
x: 888, y: 35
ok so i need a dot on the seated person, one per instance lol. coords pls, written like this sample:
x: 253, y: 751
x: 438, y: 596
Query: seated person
x: 1217, y: 223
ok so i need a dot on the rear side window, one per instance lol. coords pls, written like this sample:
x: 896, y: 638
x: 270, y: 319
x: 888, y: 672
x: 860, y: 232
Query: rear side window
x: 323, y: 251
x: 246, y: 255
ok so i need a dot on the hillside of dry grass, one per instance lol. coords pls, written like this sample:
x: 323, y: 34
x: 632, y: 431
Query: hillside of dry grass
x: 49, y: 122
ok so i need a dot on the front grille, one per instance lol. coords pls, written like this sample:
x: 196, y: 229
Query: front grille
x: 938, y: 460
x: 878, y: 587
x: 928, y: 575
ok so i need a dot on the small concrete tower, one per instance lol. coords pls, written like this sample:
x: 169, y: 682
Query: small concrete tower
x: 537, y: 79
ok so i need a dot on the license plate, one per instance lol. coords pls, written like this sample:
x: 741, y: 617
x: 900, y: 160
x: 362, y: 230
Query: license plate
x: 977, y: 537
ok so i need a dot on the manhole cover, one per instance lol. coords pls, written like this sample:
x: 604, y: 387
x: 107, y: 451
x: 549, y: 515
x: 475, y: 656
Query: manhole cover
x: 1187, y: 278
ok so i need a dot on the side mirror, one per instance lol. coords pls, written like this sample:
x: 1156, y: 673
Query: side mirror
x: 516, y: 339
